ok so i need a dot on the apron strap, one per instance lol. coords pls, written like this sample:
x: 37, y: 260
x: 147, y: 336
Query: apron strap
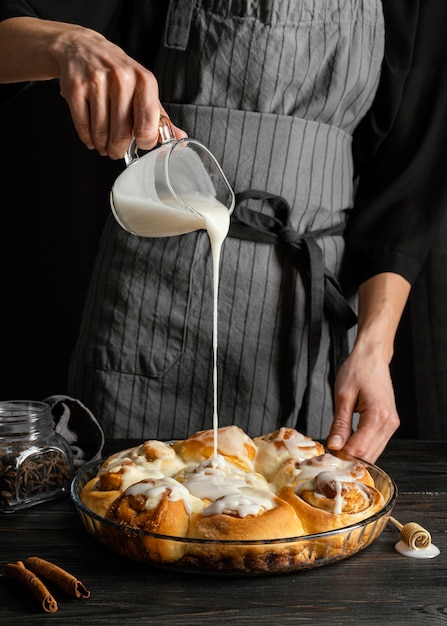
x: 325, y: 291
x: 178, y: 24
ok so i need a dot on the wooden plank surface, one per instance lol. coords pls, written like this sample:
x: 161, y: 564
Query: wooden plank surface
x: 376, y: 586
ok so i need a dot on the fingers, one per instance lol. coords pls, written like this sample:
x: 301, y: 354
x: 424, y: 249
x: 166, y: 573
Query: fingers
x: 100, y: 122
x: 145, y: 111
x: 78, y: 102
x: 370, y: 394
x: 341, y: 429
x: 121, y: 106
x: 111, y: 97
x: 371, y: 437
x: 108, y: 116
x: 374, y: 430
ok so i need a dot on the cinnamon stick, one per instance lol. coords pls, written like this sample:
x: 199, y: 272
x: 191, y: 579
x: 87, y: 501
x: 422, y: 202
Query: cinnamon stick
x: 33, y: 584
x: 60, y: 577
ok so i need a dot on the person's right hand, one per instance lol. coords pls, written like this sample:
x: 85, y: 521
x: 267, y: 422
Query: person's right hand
x: 111, y: 97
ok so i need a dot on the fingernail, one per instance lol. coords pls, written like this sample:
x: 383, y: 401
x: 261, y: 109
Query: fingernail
x: 335, y: 442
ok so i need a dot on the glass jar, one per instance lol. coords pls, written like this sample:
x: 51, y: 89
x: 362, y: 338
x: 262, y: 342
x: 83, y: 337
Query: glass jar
x: 36, y: 463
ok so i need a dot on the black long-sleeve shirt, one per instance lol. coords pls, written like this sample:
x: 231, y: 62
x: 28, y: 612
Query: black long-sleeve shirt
x: 399, y: 146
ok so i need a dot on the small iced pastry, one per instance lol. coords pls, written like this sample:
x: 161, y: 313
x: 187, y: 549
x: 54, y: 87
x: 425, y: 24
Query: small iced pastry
x: 246, y: 516
x: 125, y: 468
x: 283, y: 444
x: 232, y: 443
x: 236, y: 504
x: 330, y: 492
x: 294, y: 471
x: 158, y: 505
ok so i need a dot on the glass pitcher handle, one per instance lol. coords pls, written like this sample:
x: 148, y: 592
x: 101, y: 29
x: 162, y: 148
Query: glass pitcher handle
x: 165, y: 135
x: 165, y: 130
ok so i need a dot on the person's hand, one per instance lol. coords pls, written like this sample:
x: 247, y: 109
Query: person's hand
x: 111, y: 96
x: 363, y: 385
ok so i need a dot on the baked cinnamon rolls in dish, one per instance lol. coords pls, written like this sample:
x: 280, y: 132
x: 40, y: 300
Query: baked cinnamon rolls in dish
x: 219, y: 498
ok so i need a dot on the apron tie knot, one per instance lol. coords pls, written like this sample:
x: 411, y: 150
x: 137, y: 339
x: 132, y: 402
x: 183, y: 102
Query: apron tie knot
x: 325, y: 293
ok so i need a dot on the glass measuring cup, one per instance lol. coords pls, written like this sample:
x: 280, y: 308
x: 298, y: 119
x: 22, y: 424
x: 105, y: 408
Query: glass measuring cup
x: 160, y: 193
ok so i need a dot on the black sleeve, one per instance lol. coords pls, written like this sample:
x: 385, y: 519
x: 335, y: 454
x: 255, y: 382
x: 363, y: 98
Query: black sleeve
x: 398, y: 148
x: 8, y: 9
x: 100, y: 15
x: 134, y: 25
x: 16, y: 8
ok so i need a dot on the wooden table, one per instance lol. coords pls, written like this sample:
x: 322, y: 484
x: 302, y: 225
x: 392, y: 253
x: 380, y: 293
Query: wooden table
x: 376, y: 586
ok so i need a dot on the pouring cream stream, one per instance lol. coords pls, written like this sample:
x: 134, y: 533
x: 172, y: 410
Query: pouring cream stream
x: 149, y: 218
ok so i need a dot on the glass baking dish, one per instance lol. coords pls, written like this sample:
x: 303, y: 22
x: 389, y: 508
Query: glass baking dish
x: 247, y: 557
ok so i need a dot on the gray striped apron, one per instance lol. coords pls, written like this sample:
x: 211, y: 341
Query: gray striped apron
x: 275, y: 90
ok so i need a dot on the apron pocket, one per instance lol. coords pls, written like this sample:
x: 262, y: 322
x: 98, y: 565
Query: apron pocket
x: 137, y: 308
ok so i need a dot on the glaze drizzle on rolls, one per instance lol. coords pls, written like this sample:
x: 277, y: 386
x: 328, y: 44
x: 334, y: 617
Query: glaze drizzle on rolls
x: 280, y: 485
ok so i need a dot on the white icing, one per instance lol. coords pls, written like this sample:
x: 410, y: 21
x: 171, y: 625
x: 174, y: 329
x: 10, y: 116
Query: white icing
x: 226, y: 486
x: 219, y: 481
x: 130, y: 472
x: 231, y: 490
x: 430, y: 552
x: 162, y: 449
x: 311, y: 468
x: 242, y: 504
x: 135, y: 474
x: 287, y: 444
x: 153, y: 490
x: 133, y: 465
x: 210, y: 479
x: 231, y: 442
x: 329, y: 471
x: 292, y: 439
x: 217, y: 485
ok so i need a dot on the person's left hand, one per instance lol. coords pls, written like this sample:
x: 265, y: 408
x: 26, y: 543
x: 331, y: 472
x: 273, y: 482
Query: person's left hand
x: 363, y: 385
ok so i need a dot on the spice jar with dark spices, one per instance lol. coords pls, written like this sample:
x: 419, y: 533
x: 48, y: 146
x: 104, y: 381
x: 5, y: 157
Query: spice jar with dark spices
x: 35, y: 462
